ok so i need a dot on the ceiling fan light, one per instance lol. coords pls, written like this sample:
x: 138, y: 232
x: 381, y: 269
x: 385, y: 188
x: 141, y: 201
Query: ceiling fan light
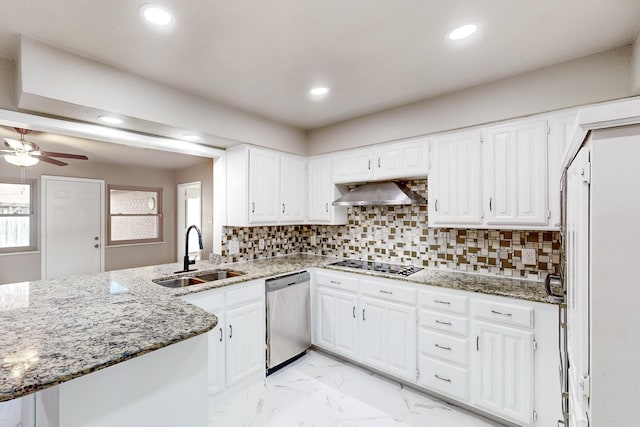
x: 21, y: 159
x: 14, y: 143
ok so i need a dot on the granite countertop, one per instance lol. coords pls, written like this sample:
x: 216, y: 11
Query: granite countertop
x: 57, y: 330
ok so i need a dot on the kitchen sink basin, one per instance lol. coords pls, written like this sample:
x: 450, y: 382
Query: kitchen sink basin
x: 202, y: 277
x: 179, y: 282
x: 210, y: 276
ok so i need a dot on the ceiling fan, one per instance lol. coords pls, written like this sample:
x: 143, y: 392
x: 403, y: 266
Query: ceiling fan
x: 25, y: 153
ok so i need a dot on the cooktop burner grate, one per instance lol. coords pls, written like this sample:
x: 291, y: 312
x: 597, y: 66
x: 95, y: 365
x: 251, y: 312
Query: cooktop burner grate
x: 382, y: 267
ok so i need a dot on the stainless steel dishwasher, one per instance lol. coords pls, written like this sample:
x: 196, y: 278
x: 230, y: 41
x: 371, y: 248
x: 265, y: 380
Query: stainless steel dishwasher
x: 288, y: 319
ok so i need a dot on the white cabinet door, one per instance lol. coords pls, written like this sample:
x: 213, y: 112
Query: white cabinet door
x: 217, y: 376
x: 292, y: 185
x: 319, y: 192
x: 455, y: 180
x: 336, y: 322
x: 245, y: 348
x: 264, y: 186
x: 515, y: 174
x: 402, y: 160
x: 388, y: 336
x: 353, y: 166
x: 561, y: 131
x: 502, y: 371
x: 373, y: 332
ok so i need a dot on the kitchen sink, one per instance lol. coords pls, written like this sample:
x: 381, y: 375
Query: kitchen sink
x: 196, y: 279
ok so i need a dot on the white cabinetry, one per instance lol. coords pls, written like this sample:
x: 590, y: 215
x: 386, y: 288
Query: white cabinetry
x: 503, y: 362
x: 237, y: 343
x: 322, y: 192
x: 390, y: 161
x: 455, y: 180
x: 336, y: 308
x: 515, y: 174
x: 561, y: 131
x: 264, y: 187
x: 477, y: 349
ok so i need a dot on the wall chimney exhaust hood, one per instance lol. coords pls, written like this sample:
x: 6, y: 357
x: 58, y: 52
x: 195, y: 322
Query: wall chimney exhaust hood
x: 380, y: 193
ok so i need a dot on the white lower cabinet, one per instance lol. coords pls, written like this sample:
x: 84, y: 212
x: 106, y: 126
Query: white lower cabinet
x: 237, y: 343
x: 388, y: 339
x: 496, y: 354
x: 337, y: 321
x: 503, y: 371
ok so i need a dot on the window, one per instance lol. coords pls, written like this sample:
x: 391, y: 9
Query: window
x: 17, y: 215
x: 135, y: 215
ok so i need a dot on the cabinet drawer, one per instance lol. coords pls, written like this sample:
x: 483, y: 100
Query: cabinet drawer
x: 504, y: 313
x: 388, y: 291
x: 444, y: 346
x: 444, y: 322
x: 244, y: 294
x: 444, y: 301
x: 444, y: 378
x: 213, y: 302
x: 337, y: 280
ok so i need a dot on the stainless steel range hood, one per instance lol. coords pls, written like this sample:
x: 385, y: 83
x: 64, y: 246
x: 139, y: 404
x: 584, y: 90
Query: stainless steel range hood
x: 380, y: 193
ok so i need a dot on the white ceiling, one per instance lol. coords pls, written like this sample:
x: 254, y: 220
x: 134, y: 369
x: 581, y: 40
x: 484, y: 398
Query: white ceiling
x: 104, y: 152
x: 264, y: 55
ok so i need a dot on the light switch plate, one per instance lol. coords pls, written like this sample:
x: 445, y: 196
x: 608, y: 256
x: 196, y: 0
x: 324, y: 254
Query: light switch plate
x: 234, y: 247
x: 261, y: 244
x: 529, y: 256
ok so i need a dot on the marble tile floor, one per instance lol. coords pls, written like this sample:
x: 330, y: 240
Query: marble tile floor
x: 321, y: 391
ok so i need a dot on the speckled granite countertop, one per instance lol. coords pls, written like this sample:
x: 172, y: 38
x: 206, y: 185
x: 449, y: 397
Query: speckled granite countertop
x: 54, y: 331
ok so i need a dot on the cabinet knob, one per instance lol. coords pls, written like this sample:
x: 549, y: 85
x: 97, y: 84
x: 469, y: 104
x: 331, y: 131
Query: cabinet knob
x: 354, y: 311
x: 436, y: 205
x: 378, y: 162
x: 96, y: 246
x: 283, y: 208
x: 490, y: 204
x: 369, y: 164
x: 96, y: 238
x: 230, y: 331
x: 327, y: 207
x: 253, y: 207
x: 221, y: 334
x: 363, y: 319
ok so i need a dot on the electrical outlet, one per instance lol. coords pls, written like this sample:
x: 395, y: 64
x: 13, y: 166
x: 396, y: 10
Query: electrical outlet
x: 234, y: 247
x: 529, y: 256
x: 261, y: 244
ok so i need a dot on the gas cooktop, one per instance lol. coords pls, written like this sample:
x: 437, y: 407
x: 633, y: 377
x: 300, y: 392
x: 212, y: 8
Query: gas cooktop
x: 382, y: 267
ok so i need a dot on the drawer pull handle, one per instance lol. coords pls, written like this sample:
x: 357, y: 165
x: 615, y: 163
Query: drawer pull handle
x: 443, y: 323
x: 230, y: 331
x: 442, y: 378
x: 221, y: 334
x: 386, y: 292
x: 354, y: 311
x: 335, y: 282
x: 363, y: 319
x: 442, y: 302
x: 326, y: 207
x: 501, y: 314
x: 443, y: 347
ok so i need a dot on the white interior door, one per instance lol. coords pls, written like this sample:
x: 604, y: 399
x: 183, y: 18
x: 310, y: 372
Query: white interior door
x: 189, y: 213
x: 72, y: 226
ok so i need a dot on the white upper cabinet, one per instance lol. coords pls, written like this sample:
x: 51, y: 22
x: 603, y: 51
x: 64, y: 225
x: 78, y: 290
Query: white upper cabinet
x: 455, y: 180
x: 515, y: 174
x: 264, y: 187
x: 292, y: 187
x: 561, y: 129
x: 321, y: 192
x: 389, y: 161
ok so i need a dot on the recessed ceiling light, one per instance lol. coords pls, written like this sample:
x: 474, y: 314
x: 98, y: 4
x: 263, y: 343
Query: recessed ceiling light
x: 110, y: 120
x: 319, y: 91
x: 191, y: 138
x: 156, y: 15
x: 462, y: 32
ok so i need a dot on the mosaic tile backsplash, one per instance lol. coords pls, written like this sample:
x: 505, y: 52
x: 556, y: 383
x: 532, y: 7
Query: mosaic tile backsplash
x: 398, y: 234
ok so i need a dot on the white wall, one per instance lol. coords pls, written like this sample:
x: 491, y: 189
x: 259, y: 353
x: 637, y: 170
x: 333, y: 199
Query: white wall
x: 635, y: 66
x: 595, y: 78
x: 54, y: 81
x: 7, y: 87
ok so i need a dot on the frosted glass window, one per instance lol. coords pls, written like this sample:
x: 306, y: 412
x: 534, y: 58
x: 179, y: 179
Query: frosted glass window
x: 17, y: 220
x: 135, y: 215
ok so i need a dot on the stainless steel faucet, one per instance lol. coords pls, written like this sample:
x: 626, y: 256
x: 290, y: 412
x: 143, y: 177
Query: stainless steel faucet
x: 186, y: 261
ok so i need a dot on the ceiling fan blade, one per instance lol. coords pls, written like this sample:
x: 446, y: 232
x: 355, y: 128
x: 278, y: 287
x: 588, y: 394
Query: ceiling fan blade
x: 63, y: 155
x: 52, y: 161
x: 14, y: 143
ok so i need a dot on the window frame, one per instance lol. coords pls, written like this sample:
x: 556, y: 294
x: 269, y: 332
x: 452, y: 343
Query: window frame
x: 33, y: 217
x: 159, y: 203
